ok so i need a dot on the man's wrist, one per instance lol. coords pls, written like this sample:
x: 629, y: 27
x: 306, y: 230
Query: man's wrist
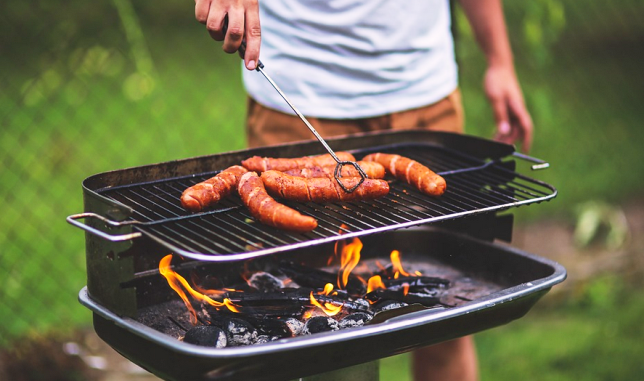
x: 500, y: 61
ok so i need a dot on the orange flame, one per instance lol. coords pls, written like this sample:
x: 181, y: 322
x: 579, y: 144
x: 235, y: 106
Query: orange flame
x: 374, y: 283
x: 328, y: 308
x: 195, y: 282
x: 405, y: 288
x: 231, y: 306
x: 338, y: 244
x: 349, y: 259
x: 397, y: 263
x: 328, y: 289
x: 176, y: 281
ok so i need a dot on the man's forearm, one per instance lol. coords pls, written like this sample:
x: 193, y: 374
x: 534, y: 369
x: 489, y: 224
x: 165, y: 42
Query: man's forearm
x: 488, y: 23
x: 501, y: 85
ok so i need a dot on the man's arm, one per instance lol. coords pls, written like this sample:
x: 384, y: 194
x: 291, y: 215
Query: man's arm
x: 501, y: 84
x: 243, y: 24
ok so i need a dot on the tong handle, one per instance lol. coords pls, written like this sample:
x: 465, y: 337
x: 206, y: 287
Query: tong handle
x: 242, y: 47
x: 540, y: 164
x: 113, y: 238
x: 340, y: 164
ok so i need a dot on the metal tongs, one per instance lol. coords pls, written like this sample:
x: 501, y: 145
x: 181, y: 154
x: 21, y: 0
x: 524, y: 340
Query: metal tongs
x: 337, y: 173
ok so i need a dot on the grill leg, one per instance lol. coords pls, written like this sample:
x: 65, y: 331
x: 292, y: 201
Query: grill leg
x: 363, y: 372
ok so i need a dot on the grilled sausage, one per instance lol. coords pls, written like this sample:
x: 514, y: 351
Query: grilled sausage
x: 321, y: 189
x: 411, y: 172
x: 372, y: 169
x: 268, y: 211
x: 261, y: 164
x: 209, y: 192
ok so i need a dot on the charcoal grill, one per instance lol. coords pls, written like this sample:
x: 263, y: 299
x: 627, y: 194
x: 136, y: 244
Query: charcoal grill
x: 133, y: 218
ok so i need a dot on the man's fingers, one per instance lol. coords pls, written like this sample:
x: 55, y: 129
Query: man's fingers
x: 522, y: 122
x: 500, y: 110
x: 202, y: 8
x: 215, y: 23
x: 233, y: 22
x: 253, y: 38
x: 235, y: 31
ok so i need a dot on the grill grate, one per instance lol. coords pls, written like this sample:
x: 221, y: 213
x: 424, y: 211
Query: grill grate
x: 228, y: 232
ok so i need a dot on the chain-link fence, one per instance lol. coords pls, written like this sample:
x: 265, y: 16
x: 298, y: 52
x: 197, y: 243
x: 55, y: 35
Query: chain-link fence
x: 87, y: 87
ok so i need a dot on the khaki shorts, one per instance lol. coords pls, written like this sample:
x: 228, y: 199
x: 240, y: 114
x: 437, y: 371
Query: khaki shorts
x: 266, y: 126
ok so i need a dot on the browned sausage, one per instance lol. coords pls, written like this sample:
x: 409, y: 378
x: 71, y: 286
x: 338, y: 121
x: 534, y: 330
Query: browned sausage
x: 372, y: 169
x: 321, y: 189
x: 411, y: 172
x: 268, y: 211
x: 261, y: 164
x: 209, y: 192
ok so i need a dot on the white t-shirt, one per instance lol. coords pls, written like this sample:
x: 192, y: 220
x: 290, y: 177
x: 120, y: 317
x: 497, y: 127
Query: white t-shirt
x: 344, y: 59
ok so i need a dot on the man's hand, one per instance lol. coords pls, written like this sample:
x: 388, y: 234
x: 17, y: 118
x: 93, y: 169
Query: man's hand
x: 501, y: 85
x: 243, y: 24
x: 513, y: 122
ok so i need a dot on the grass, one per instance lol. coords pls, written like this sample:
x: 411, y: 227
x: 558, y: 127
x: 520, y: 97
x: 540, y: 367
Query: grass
x: 595, y: 336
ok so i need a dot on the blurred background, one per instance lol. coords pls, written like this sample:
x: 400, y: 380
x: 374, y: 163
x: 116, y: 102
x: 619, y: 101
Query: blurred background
x: 88, y: 87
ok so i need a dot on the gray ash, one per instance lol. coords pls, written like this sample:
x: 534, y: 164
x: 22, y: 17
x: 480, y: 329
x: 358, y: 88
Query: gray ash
x: 356, y: 319
x: 295, y: 326
x: 320, y: 324
x: 265, y: 282
x: 240, y: 332
x: 386, y: 305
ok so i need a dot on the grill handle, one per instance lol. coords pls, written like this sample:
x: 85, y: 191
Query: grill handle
x: 540, y: 164
x: 113, y: 238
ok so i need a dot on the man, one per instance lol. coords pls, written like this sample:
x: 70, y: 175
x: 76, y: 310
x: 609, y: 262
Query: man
x: 366, y: 65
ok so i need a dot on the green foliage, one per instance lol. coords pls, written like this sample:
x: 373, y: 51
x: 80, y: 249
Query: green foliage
x: 599, y: 338
x: 595, y: 335
x: 598, y: 220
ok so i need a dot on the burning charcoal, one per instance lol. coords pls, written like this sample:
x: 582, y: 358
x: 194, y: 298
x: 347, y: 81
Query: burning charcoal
x: 362, y: 303
x: 320, y: 324
x: 274, y: 328
x: 428, y: 299
x: 386, y: 305
x: 295, y: 326
x: 258, y: 305
x: 206, y: 336
x: 265, y: 282
x: 315, y: 278
x: 356, y: 319
x: 289, y: 299
x: 240, y: 332
x: 419, y: 282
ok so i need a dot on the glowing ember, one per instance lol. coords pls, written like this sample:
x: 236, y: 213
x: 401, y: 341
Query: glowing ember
x: 176, y: 281
x: 349, y: 259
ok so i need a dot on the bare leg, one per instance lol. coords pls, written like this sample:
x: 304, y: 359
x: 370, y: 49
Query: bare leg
x: 453, y: 360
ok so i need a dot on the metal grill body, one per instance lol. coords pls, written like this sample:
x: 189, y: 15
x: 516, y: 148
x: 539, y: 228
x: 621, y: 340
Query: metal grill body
x: 139, y: 220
